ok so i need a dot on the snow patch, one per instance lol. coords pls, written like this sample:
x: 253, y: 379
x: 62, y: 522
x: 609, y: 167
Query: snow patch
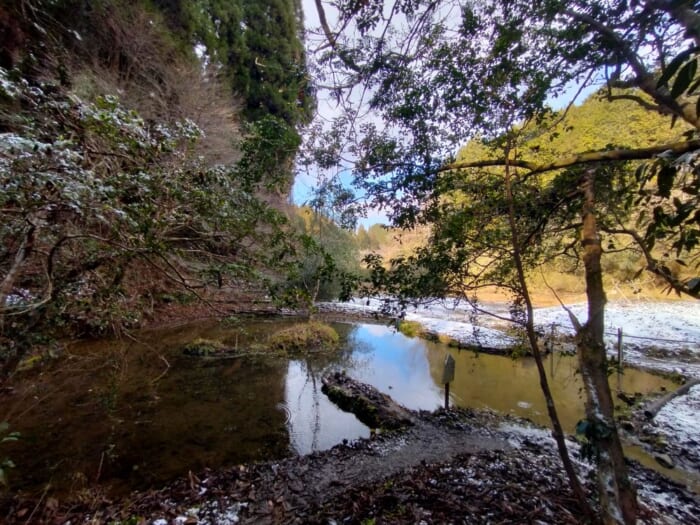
x: 662, y: 335
x: 679, y: 418
x: 210, y: 513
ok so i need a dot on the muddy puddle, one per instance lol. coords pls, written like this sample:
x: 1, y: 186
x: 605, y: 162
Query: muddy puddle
x: 136, y: 413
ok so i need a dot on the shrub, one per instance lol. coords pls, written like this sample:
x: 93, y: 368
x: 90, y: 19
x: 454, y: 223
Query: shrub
x: 411, y: 328
x: 305, y: 337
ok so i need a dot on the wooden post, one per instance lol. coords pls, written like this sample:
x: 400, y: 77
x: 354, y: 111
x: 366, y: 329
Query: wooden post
x: 448, y: 375
x: 619, y: 349
x: 551, y: 351
x: 619, y: 359
x: 551, y: 365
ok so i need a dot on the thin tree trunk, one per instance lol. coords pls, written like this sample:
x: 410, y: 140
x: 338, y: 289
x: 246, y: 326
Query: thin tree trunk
x: 25, y: 249
x: 557, y: 430
x: 618, y: 499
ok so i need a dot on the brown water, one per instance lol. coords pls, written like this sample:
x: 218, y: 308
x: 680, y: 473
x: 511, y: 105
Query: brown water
x: 134, y: 414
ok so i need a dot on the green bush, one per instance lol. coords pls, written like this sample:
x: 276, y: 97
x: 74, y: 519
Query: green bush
x: 203, y: 347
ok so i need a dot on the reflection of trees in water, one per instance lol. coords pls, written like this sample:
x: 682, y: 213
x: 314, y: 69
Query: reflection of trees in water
x: 351, y: 354
x: 312, y: 377
x: 357, y: 354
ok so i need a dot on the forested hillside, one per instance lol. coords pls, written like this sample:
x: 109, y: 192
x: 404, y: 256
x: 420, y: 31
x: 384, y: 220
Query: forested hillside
x: 596, y: 125
x: 593, y: 125
x: 143, y: 146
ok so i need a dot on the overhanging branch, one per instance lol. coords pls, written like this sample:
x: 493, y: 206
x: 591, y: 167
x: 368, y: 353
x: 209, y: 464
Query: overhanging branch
x: 676, y: 148
x: 653, y: 265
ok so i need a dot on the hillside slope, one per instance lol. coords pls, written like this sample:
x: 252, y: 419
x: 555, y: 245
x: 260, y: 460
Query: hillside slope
x: 140, y: 157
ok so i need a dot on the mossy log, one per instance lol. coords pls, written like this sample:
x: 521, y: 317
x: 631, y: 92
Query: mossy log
x: 369, y: 405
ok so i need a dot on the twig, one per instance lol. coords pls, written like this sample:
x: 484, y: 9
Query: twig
x: 99, y: 468
x: 572, y: 317
x: 38, y: 503
x: 167, y: 367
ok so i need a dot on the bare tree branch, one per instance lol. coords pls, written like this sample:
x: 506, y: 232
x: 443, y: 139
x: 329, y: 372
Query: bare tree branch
x: 644, y: 79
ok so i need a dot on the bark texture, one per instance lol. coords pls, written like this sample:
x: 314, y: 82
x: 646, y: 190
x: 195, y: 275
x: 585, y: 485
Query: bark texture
x: 618, y: 499
x: 557, y: 430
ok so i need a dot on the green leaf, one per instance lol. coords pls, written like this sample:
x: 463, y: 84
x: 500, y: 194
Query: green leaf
x: 674, y: 65
x: 685, y: 76
x: 694, y: 284
x: 665, y: 179
x: 582, y: 427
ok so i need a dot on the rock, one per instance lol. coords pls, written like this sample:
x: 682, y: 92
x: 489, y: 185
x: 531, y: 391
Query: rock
x: 664, y: 460
x: 628, y: 426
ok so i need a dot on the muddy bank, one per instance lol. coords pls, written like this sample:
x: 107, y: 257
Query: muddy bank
x: 459, y: 466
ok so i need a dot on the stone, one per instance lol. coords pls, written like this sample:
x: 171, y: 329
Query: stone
x: 664, y: 460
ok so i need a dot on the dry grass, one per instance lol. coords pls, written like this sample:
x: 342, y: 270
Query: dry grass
x: 304, y: 337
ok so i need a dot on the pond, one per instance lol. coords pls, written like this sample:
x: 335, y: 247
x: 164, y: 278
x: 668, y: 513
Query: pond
x: 136, y: 413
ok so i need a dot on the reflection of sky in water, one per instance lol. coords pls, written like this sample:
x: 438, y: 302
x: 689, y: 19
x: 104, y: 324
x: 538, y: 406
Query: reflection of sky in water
x: 397, y: 365
x: 401, y: 367
x: 389, y: 361
x: 314, y: 422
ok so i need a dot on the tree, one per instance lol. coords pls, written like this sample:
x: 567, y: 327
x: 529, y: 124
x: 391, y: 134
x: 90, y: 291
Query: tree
x: 324, y: 264
x: 259, y: 44
x: 438, y: 73
x: 91, y: 191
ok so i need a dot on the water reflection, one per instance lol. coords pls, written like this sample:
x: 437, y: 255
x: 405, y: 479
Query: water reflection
x: 314, y: 422
x: 396, y: 365
x: 108, y: 413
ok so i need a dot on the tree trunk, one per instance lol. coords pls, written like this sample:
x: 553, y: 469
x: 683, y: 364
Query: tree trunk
x: 618, y: 499
x: 23, y: 252
x: 557, y: 431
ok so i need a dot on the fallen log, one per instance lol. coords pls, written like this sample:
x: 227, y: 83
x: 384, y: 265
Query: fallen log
x: 369, y: 405
x: 654, y: 407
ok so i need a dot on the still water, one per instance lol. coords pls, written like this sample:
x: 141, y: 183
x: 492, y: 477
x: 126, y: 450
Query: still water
x: 137, y: 413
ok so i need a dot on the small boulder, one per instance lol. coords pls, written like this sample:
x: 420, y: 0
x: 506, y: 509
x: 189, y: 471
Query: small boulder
x: 664, y: 460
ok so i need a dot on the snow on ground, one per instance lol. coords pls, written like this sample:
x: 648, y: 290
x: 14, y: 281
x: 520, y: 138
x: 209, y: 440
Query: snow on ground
x: 663, y: 335
x: 671, y: 505
x: 679, y: 418
x: 457, y: 321
x: 212, y: 513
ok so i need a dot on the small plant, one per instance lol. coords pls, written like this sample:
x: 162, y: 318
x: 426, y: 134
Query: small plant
x: 305, y: 337
x: 203, y: 347
x: 410, y: 328
x: 590, y: 433
x: 6, y: 463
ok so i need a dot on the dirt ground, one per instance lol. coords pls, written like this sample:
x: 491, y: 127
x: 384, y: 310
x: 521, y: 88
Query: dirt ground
x: 457, y: 466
